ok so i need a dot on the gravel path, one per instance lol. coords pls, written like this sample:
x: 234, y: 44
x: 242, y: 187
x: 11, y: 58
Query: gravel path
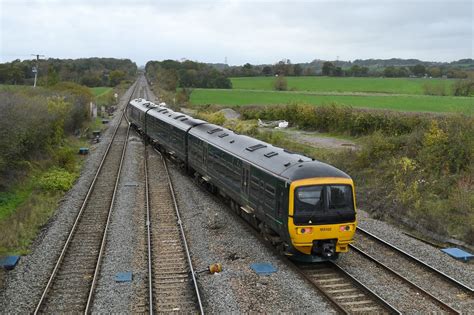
x: 24, y: 285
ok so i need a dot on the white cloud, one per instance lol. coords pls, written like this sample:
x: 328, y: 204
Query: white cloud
x: 244, y: 31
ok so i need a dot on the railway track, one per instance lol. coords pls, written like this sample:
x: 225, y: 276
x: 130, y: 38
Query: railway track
x: 340, y: 288
x: 172, y: 281
x: 346, y: 294
x: 70, y: 288
x: 448, y: 293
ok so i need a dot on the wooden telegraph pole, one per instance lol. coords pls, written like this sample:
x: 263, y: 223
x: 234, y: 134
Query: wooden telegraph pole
x: 35, y: 69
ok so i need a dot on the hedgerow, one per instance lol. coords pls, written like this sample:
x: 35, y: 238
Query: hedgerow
x: 341, y: 119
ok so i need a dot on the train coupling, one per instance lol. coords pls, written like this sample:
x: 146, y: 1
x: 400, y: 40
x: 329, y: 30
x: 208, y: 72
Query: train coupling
x: 324, y: 248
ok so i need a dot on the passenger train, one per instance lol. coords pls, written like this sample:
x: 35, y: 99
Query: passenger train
x: 304, y: 207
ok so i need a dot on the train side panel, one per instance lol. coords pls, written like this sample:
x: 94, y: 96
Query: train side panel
x: 261, y: 193
x: 169, y: 137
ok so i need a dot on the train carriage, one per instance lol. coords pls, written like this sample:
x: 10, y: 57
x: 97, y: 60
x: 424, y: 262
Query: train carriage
x: 136, y: 113
x: 304, y: 206
x: 291, y: 197
x: 169, y: 129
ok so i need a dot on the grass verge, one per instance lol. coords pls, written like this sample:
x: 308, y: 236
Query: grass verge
x: 28, y: 205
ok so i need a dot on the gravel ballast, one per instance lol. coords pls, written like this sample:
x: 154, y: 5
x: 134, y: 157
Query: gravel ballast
x: 216, y: 235
x: 112, y: 296
x: 463, y: 272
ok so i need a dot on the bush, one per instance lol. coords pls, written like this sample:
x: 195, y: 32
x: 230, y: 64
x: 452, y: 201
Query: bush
x: 463, y: 87
x: 435, y: 89
x: 448, y: 146
x: 66, y: 157
x: 56, y: 179
x: 217, y: 118
x: 280, y: 83
x: 341, y: 119
x: 375, y: 148
x: 183, y: 96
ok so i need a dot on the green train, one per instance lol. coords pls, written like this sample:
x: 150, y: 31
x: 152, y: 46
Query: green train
x: 304, y: 207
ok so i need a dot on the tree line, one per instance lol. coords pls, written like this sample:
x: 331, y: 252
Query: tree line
x: 359, y: 68
x: 171, y: 74
x: 91, y: 72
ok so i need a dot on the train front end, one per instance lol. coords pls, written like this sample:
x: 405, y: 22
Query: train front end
x: 321, y: 217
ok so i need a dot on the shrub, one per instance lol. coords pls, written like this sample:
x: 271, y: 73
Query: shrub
x: 463, y: 87
x: 246, y: 127
x: 448, y: 145
x: 56, y: 179
x: 183, y: 96
x: 375, y: 148
x: 342, y: 119
x: 65, y: 157
x: 280, y: 83
x: 435, y: 89
x: 217, y: 118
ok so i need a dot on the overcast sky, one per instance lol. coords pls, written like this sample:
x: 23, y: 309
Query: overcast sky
x: 258, y: 31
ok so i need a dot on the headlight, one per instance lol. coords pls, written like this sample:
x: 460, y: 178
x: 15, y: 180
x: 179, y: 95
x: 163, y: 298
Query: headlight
x: 305, y: 230
x: 344, y: 228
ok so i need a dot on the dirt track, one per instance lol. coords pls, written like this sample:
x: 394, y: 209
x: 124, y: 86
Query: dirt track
x: 317, y: 139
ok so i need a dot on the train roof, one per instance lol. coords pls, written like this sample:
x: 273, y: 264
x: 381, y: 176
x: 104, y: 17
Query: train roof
x: 285, y: 164
x: 288, y: 165
x: 177, y: 119
x: 143, y: 104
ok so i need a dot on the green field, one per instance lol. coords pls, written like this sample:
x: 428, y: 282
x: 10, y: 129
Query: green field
x: 332, y: 84
x: 98, y: 91
x: 413, y: 103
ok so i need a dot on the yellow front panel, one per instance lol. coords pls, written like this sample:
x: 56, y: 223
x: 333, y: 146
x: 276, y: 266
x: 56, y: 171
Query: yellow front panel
x: 302, y: 236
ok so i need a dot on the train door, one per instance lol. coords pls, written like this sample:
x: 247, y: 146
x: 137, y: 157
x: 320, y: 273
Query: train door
x: 204, y: 155
x: 245, y: 182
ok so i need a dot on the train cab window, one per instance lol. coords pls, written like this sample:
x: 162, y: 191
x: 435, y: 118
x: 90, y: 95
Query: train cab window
x: 323, y: 204
x: 340, y: 197
x: 309, y: 199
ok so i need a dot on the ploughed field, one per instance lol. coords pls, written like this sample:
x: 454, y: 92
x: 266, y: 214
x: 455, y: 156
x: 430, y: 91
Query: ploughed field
x: 399, y: 94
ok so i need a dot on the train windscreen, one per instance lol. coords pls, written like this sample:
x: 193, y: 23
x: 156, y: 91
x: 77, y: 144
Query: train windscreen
x: 323, y: 204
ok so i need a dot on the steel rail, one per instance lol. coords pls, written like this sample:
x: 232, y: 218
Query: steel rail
x: 106, y: 228
x: 341, y: 309
x: 148, y: 226
x: 293, y: 265
x: 183, y: 236
x: 374, y: 295
x: 440, y: 303
x: 416, y: 260
x: 78, y: 217
x: 377, y: 299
